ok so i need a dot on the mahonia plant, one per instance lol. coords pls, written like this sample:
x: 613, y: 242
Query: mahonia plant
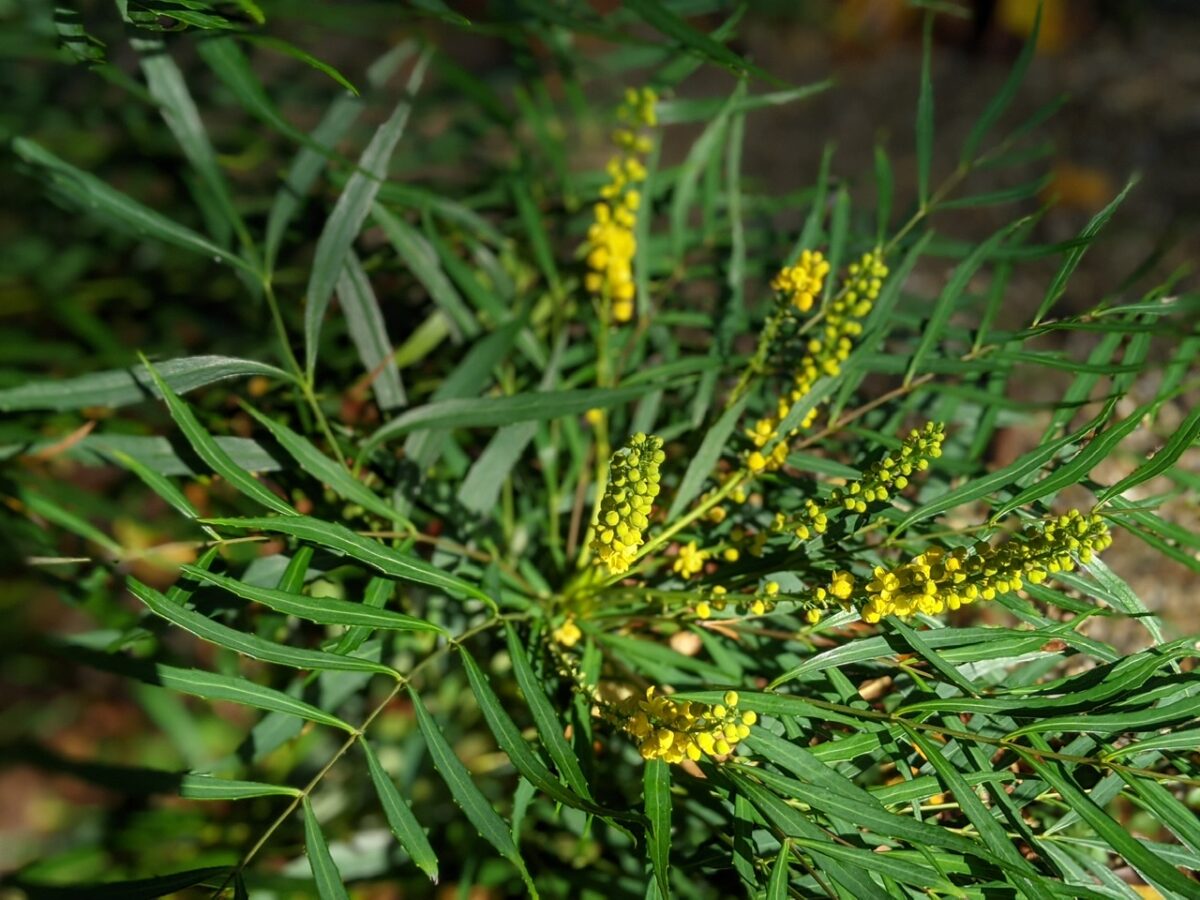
x: 668, y: 555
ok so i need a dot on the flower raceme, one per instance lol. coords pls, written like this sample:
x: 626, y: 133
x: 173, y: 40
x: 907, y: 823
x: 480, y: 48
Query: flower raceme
x: 628, y: 498
x: 828, y: 348
x: 877, y: 484
x: 611, y: 245
x: 675, y: 730
x: 938, y: 580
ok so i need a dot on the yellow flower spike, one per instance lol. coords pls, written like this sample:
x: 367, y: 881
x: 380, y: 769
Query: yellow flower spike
x: 677, y: 730
x: 874, y: 486
x: 935, y: 581
x: 611, y: 246
x: 628, y: 500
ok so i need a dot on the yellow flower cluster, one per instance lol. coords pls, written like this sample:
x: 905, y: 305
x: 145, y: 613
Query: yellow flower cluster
x: 611, y: 244
x: 937, y: 580
x: 628, y: 499
x: 875, y: 486
x: 673, y: 730
x: 825, y: 351
x: 568, y: 633
x: 757, y: 604
x: 798, y: 286
x: 690, y: 560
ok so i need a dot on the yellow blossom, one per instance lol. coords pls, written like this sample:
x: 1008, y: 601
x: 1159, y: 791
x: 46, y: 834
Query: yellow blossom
x: 568, y: 633
x: 690, y: 560
x: 628, y: 499
x: 673, y: 730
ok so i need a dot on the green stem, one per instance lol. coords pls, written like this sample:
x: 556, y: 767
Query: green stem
x: 402, y: 681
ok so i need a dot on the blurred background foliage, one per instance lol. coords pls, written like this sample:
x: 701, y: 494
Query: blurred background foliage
x: 78, y: 296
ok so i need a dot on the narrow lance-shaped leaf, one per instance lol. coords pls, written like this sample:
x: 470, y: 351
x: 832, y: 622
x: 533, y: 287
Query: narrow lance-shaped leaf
x: 496, y: 411
x: 325, y: 871
x: 195, y: 786
x: 1075, y: 255
x: 372, y: 552
x: 133, y: 889
x: 99, y: 200
x: 349, y: 213
x: 548, y: 723
x: 169, y: 89
x: 310, y: 161
x: 211, y: 452
x: 1004, y: 96
x: 523, y: 757
x: 248, y: 644
x: 925, y: 114
x: 121, y: 387
x: 476, y: 806
x: 1116, y: 835
x: 991, y: 833
x: 326, y: 610
x: 404, y: 824
x: 368, y: 331
x: 657, y: 788
x: 329, y: 472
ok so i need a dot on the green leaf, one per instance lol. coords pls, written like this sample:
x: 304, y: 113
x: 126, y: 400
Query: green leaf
x: 325, y: 872
x: 994, y: 481
x: 167, y: 86
x: 1004, y: 96
x: 196, y: 786
x: 404, y: 824
x: 415, y: 250
x: 327, y: 471
x: 1181, y: 440
x: 523, y: 757
x: 932, y: 331
x: 662, y: 19
x: 489, y: 412
x: 657, y: 787
x: 135, y: 889
x: 1149, y: 864
x: 375, y: 554
x: 248, y: 644
x: 777, y: 885
x: 156, y: 482
x: 364, y: 320
x: 925, y: 115
x: 681, y: 111
x: 211, y: 452
x: 282, y: 46
x: 121, y: 387
x: 51, y: 511
x: 1072, y: 472
x: 884, y: 191
x: 790, y: 822
x: 991, y: 833
x: 326, y: 610
x: 476, y: 806
x: 705, y: 459
x: 549, y: 725
x: 931, y: 656
x: 230, y: 689
x: 700, y: 155
x: 97, y: 199
x: 1075, y: 255
x: 345, y: 221
x: 310, y: 161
